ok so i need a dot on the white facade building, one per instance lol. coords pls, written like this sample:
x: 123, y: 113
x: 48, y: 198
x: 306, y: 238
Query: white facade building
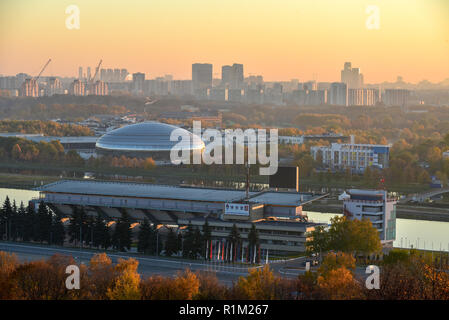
x: 375, y: 206
x: 357, y: 157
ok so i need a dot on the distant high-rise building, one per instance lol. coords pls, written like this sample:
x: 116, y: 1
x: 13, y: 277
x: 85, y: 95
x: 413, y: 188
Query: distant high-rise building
x: 363, y: 97
x: 53, y: 86
x: 78, y: 88
x: 116, y: 77
x: 226, y: 74
x: 338, y: 94
x: 201, y: 76
x: 351, y: 76
x: 109, y: 75
x: 123, y: 74
x: 181, y: 87
x: 103, y: 74
x: 88, y: 73
x: 138, y: 83
x: 237, y: 76
x: 396, y: 97
x: 29, y: 88
x: 99, y: 88
x: 80, y: 73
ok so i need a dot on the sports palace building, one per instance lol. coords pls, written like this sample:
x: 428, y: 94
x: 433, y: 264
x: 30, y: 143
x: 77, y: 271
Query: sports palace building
x: 276, y: 215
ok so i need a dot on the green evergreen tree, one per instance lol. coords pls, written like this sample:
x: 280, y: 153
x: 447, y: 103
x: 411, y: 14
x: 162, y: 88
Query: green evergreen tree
x: 253, y: 240
x: 57, y: 230
x: 101, y: 235
x: 171, y: 244
x: 122, y: 237
x: 78, y: 226
x: 189, y: 243
x: 44, y: 220
x: 145, y: 237
x: 5, y: 218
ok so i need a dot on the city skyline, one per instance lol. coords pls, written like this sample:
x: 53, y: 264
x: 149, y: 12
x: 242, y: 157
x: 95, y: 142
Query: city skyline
x: 311, y: 41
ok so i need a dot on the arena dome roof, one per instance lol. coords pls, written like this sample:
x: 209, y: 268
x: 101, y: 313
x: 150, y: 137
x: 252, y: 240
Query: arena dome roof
x: 148, y: 137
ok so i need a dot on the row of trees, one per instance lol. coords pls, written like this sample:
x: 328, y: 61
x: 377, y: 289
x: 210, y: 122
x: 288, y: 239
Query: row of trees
x: 48, y: 128
x: 47, y: 226
x: 410, y: 277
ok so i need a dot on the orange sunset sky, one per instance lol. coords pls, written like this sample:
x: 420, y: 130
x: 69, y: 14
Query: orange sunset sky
x: 280, y: 39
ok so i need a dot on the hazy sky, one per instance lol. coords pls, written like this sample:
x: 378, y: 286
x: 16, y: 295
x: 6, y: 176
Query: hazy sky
x: 280, y: 39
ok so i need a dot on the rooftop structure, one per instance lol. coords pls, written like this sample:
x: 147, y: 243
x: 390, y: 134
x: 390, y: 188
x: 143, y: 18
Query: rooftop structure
x: 146, y: 139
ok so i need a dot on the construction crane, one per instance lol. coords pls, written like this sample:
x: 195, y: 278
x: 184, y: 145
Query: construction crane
x: 96, y: 72
x: 45, y: 66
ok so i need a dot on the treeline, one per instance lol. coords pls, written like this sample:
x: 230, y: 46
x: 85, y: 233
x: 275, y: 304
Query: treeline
x: 47, y: 128
x: 19, y: 149
x: 32, y: 110
x: 404, y: 276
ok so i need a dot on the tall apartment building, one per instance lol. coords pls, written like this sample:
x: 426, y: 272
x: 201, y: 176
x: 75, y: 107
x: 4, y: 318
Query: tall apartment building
x: 29, y: 88
x: 376, y: 206
x: 201, y: 76
x: 351, y: 76
x: 396, y: 97
x: 338, y: 94
x: 138, y: 85
x: 54, y: 86
x: 232, y: 76
x: 99, y: 88
x: 78, y: 88
x: 181, y: 87
x: 363, y: 97
x: 357, y: 157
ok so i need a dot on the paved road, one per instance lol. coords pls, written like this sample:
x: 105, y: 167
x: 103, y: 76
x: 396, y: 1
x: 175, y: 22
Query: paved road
x: 227, y: 274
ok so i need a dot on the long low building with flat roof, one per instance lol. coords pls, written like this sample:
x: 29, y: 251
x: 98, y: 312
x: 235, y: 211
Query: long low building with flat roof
x: 277, y: 215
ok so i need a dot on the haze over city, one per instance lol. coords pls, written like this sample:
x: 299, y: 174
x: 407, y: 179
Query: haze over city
x: 281, y: 40
x: 225, y: 153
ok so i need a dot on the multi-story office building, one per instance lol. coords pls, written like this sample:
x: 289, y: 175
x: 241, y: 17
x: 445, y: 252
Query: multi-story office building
x: 54, y: 86
x: 357, y: 157
x: 123, y: 74
x: 351, y: 76
x: 181, y: 87
x: 396, y: 97
x: 226, y: 72
x: 363, y: 97
x: 338, y: 94
x: 80, y: 73
x: 316, y: 97
x: 29, y: 88
x: 138, y: 85
x: 376, y: 206
x: 201, y: 76
x: 234, y: 95
x: 78, y: 88
x: 157, y: 86
x: 9, y: 83
x: 232, y: 76
x: 99, y: 88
